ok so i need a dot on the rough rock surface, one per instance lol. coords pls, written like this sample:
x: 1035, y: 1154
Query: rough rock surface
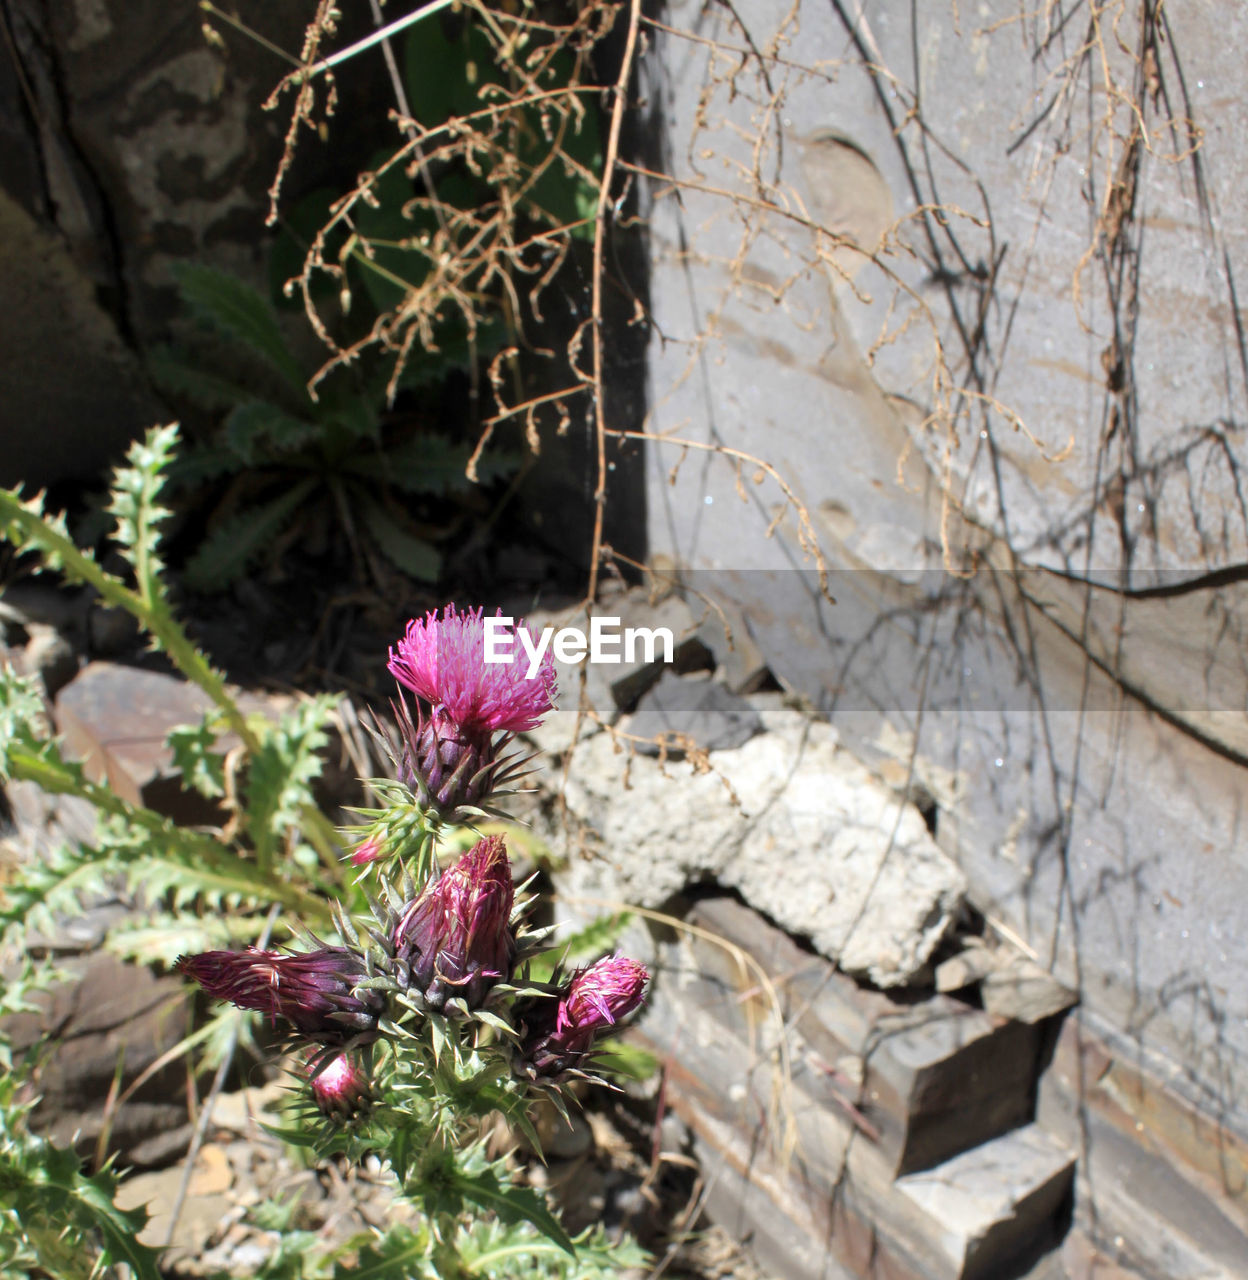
x: 812, y: 840
x: 110, y: 1022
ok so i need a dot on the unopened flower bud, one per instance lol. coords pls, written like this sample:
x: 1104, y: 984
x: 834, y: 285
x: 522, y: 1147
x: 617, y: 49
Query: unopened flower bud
x: 447, y: 762
x: 340, y: 1087
x: 366, y: 851
x: 560, y: 1030
x: 456, y: 937
x: 313, y: 990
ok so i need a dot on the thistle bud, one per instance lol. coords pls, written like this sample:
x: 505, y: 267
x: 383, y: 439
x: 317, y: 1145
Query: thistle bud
x: 447, y: 764
x: 340, y: 1087
x: 559, y: 1031
x: 367, y: 851
x: 456, y: 937
x: 315, y: 991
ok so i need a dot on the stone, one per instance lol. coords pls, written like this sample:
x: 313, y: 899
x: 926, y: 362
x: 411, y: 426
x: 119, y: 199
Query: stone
x: 565, y: 1139
x: 111, y: 1021
x: 799, y: 1173
x: 792, y: 822
x: 635, y: 611
x: 680, y: 713
x: 65, y: 418
x: 117, y: 718
x: 1010, y: 985
x: 740, y: 663
x: 84, y: 932
x: 243, y: 1111
x: 1020, y: 989
x: 198, y: 1219
x: 995, y: 1199
x: 1159, y: 1175
x: 41, y: 821
x: 926, y: 1078
x: 50, y: 655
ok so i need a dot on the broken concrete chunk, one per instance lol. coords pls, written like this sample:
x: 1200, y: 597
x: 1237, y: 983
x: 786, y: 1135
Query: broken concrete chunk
x: 806, y: 835
x: 110, y: 1023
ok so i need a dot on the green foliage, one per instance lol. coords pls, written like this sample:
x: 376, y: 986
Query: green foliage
x: 437, y: 1076
x: 54, y: 1219
x: 290, y: 453
x: 194, y: 871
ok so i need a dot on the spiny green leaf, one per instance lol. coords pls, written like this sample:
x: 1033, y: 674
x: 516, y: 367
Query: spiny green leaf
x: 164, y: 936
x: 258, y: 428
x: 401, y: 1254
x: 412, y: 555
x: 195, y: 755
x: 136, y: 491
x: 623, y: 1058
x: 224, y: 556
x: 237, y: 310
x: 21, y: 708
x: 282, y: 770
x: 429, y: 463
x: 173, y: 373
x: 203, y: 463
x: 485, y: 1189
x: 593, y: 940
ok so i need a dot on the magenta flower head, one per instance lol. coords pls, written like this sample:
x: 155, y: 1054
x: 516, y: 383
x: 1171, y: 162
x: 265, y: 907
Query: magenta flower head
x: 456, y: 937
x: 559, y: 1031
x: 443, y: 661
x: 340, y: 1087
x: 450, y: 753
x: 314, y: 990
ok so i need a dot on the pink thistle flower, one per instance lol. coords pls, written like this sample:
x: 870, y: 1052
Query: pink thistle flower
x: 456, y: 936
x: 312, y: 990
x: 559, y: 1031
x: 443, y: 662
x: 340, y: 1087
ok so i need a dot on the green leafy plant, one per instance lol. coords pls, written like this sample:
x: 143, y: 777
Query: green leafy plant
x: 54, y: 1219
x: 289, y: 455
x: 412, y: 1033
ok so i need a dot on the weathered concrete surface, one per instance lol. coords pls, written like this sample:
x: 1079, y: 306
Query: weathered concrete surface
x: 1084, y: 743
x: 790, y: 820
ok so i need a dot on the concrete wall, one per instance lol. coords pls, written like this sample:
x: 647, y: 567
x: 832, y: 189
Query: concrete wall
x: 1015, y: 432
